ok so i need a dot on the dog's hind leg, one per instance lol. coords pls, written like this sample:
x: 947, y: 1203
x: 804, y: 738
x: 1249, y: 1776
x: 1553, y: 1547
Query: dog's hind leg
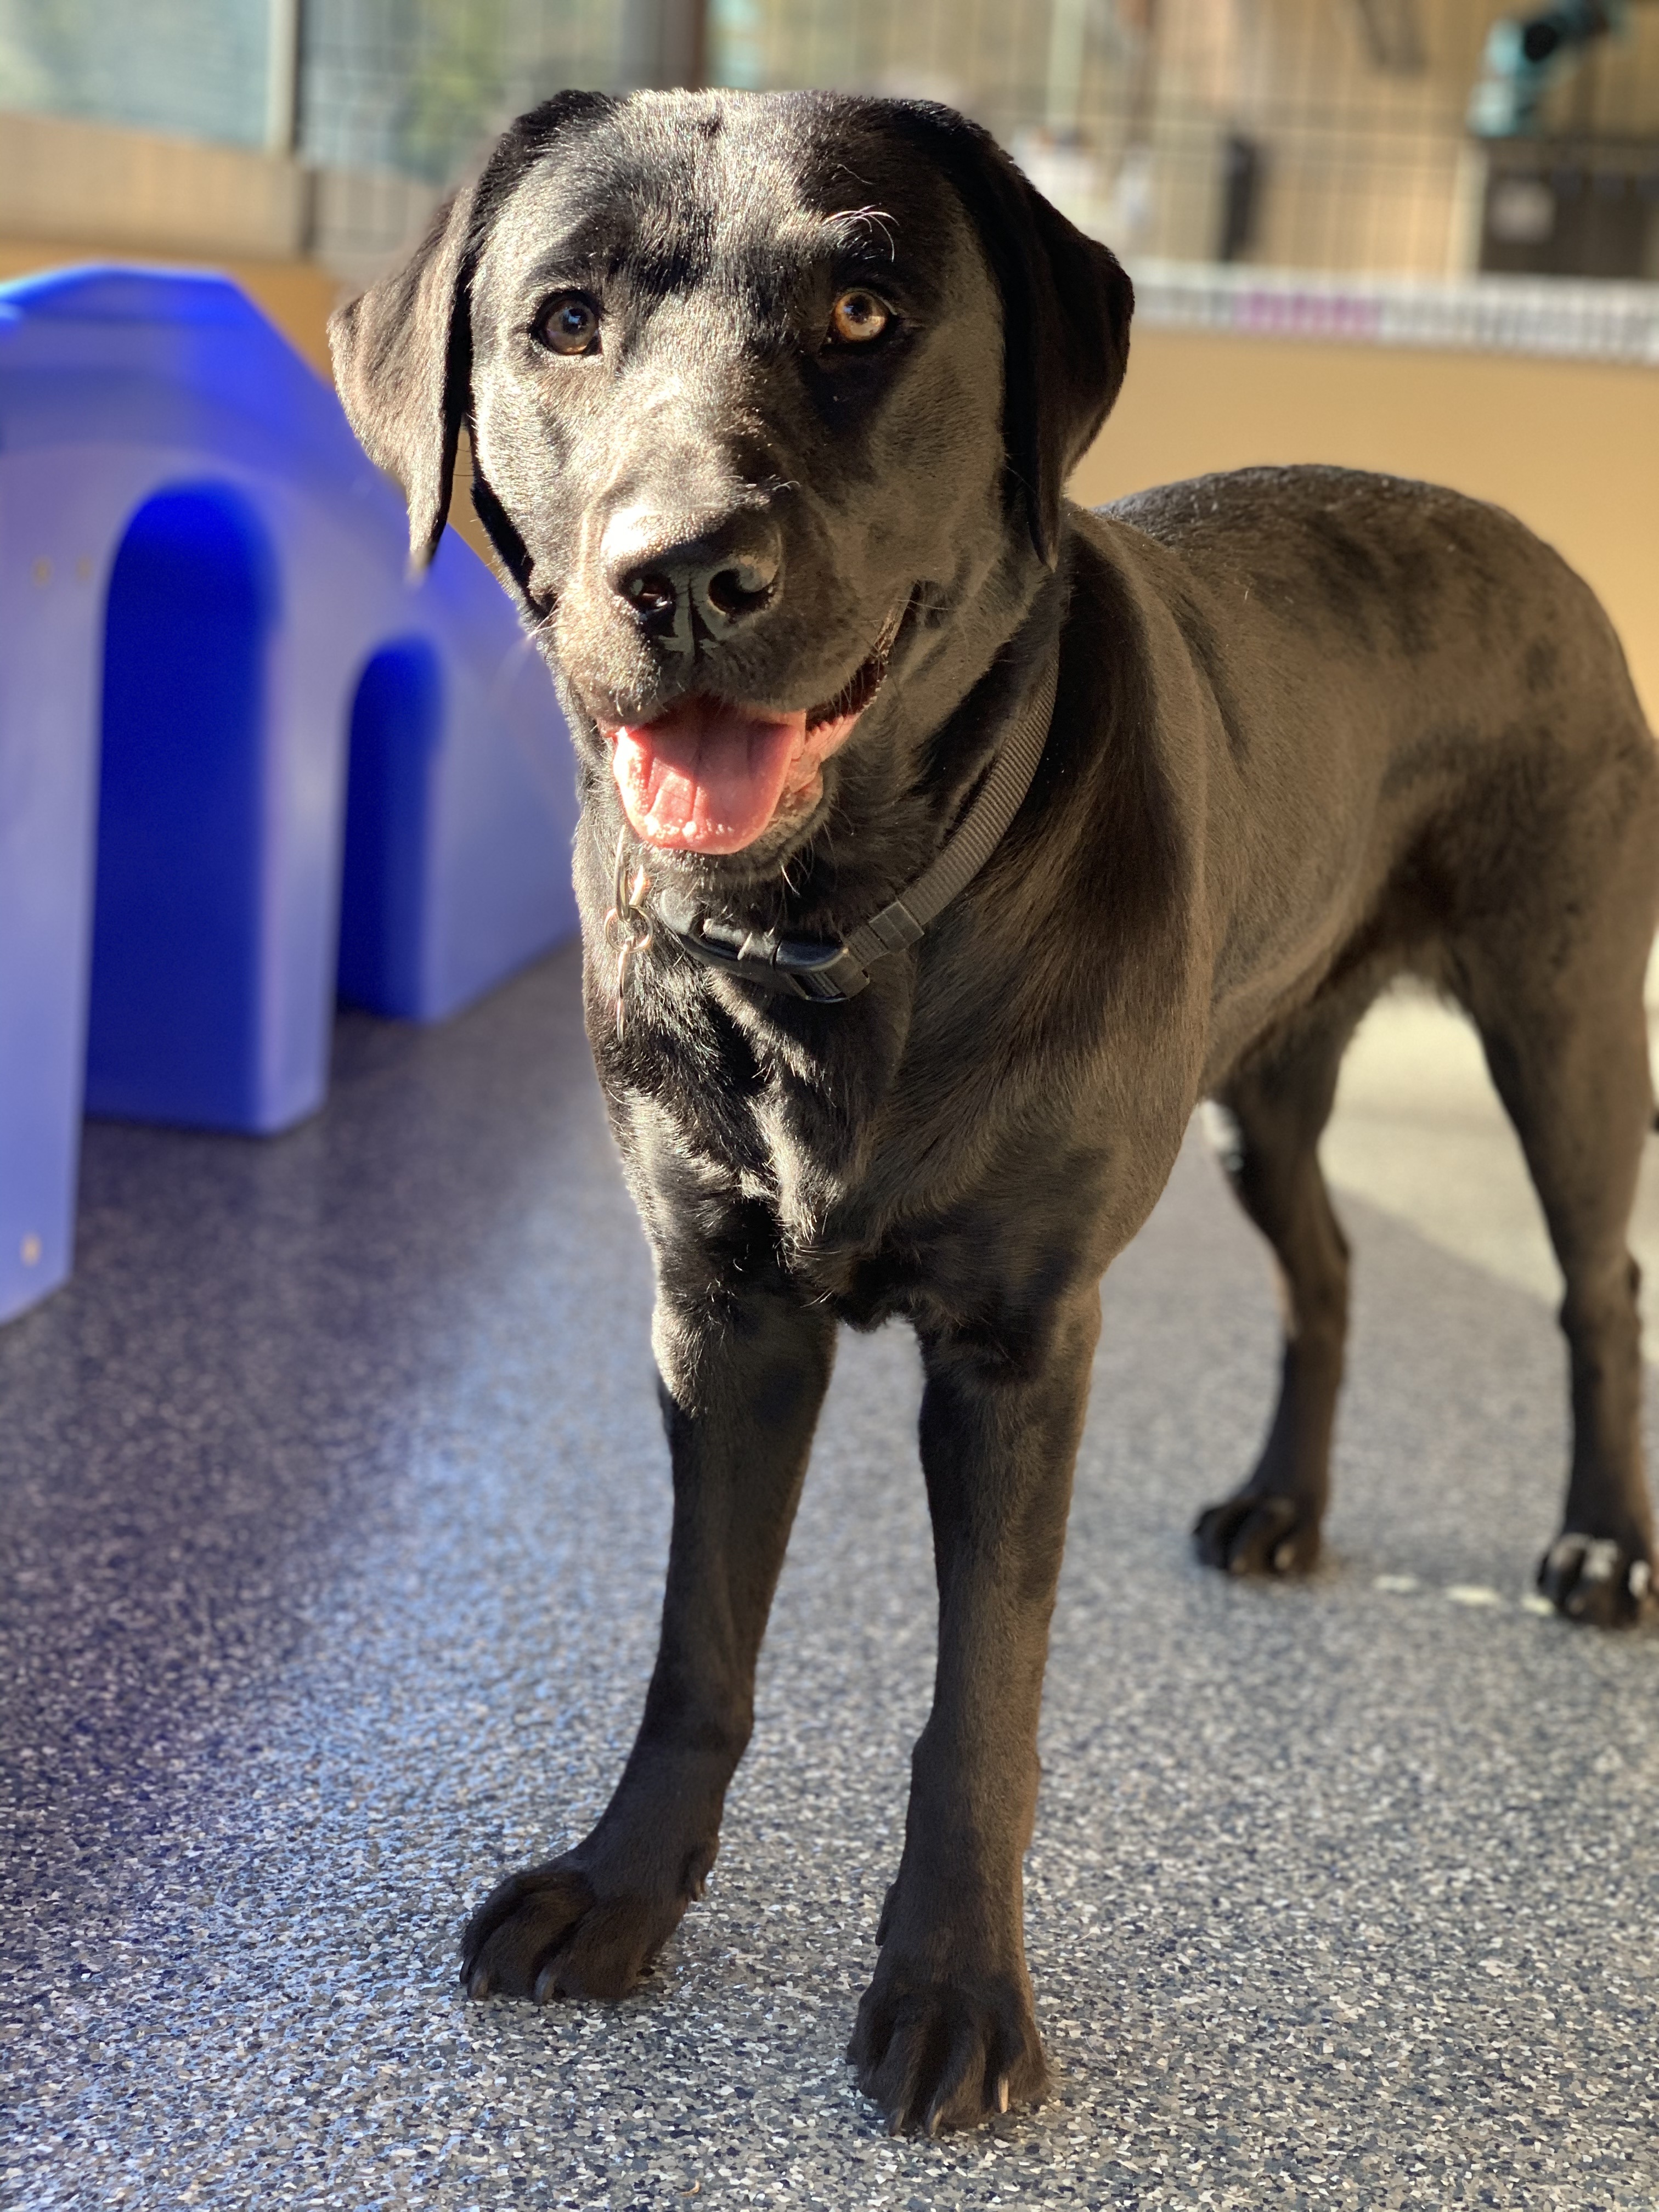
x: 1566, y: 1042
x: 1277, y: 1107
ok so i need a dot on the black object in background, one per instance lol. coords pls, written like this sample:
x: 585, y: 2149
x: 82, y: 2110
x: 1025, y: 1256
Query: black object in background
x: 1572, y: 212
x: 1242, y: 176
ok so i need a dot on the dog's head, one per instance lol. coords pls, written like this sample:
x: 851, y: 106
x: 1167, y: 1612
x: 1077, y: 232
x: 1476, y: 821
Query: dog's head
x: 769, y: 396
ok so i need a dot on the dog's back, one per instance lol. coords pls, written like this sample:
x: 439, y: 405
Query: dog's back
x: 1440, y: 589
x: 1476, y: 724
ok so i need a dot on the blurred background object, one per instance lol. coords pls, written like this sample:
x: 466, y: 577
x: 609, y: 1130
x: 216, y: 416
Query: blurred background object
x: 1431, y: 137
x: 247, y: 763
x: 1524, y: 59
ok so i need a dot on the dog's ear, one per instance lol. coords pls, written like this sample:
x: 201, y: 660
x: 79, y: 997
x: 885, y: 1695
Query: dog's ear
x: 403, y: 367
x: 402, y: 352
x: 1067, y: 302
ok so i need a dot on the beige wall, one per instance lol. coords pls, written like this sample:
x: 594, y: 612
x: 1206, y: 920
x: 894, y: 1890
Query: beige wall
x: 63, y: 178
x: 296, y: 295
x: 1571, y: 448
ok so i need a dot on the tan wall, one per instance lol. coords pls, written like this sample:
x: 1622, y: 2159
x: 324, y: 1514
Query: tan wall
x: 64, y: 178
x: 1571, y: 448
x: 296, y: 295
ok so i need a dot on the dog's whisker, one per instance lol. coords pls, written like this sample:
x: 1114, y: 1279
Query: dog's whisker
x: 852, y: 225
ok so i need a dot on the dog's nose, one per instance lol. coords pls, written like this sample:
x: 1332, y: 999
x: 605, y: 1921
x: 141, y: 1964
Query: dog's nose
x: 693, y: 580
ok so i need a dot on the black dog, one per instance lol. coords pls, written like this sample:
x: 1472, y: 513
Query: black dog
x: 943, y: 847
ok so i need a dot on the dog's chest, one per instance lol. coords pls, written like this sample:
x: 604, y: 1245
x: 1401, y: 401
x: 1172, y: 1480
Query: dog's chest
x: 807, y: 1135
x: 813, y: 1149
x: 875, y: 1204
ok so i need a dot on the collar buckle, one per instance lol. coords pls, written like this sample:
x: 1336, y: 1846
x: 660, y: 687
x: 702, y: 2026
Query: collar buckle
x: 820, y: 969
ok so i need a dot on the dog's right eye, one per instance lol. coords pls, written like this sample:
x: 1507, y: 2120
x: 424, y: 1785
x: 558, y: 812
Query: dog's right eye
x: 858, y: 318
x: 569, y: 324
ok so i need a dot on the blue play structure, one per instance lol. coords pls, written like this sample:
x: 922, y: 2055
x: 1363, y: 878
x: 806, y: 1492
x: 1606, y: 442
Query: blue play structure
x: 245, y: 760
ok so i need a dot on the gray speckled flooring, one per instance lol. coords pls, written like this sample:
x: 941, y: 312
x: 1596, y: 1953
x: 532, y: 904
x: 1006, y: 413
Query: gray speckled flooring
x: 333, y: 1518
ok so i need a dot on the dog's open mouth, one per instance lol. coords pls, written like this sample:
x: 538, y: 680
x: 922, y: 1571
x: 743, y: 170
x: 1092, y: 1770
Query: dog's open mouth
x: 707, y: 775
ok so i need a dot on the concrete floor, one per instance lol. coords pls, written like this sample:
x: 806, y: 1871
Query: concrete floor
x: 332, y: 1511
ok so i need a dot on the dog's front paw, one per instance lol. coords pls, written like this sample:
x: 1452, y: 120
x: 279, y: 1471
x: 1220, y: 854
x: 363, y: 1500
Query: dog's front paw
x: 1258, y: 1534
x: 546, y: 1932
x: 947, y: 2054
x: 1597, y: 1579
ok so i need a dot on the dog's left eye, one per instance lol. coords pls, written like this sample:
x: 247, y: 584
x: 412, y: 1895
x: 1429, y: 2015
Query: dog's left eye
x: 569, y: 323
x: 857, y: 317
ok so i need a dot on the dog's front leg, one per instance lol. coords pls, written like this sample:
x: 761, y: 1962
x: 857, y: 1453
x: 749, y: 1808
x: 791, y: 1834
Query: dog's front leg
x: 743, y: 1374
x: 946, y: 2031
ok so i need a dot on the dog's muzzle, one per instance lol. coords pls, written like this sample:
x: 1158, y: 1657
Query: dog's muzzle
x: 828, y: 970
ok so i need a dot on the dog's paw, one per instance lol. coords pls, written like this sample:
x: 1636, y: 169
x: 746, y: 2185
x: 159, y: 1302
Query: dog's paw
x: 945, y: 2055
x: 1269, y: 1534
x: 1597, y: 1579
x: 545, y: 1932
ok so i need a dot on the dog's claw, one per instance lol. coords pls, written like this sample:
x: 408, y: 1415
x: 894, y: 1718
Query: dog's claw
x: 928, y: 2055
x: 477, y: 1984
x: 1596, y: 1579
x: 548, y: 1932
x: 1258, y: 1533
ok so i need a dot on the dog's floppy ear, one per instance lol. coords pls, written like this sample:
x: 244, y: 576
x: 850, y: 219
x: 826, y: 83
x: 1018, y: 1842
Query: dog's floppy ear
x: 403, y: 366
x: 402, y: 352
x: 1067, y: 302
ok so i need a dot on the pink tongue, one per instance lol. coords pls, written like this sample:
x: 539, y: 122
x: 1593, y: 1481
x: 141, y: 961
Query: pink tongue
x: 703, y: 778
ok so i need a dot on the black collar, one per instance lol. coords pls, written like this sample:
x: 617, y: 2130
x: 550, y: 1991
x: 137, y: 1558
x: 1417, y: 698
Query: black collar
x: 831, y: 971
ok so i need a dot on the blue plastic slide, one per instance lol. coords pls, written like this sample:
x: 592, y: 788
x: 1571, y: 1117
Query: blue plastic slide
x: 244, y: 761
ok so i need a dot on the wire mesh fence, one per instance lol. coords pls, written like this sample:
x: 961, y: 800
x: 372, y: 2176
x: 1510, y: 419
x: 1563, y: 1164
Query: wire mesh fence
x: 1329, y: 136
x: 196, y: 67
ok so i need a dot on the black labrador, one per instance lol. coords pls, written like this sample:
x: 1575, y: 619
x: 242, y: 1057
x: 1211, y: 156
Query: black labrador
x: 943, y: 846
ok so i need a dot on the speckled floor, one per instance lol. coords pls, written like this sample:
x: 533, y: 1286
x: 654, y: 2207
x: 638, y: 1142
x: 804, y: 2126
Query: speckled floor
x: 332, y: 1511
